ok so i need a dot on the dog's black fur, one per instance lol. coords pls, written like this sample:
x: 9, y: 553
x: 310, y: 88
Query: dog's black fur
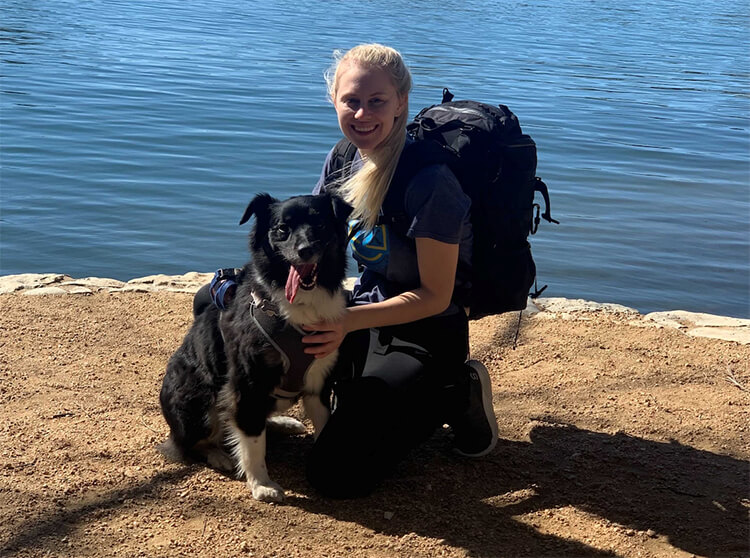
x: 217, y: 391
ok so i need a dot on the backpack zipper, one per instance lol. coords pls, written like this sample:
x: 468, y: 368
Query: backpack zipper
x: 479, y: 114
x: 460, y: 109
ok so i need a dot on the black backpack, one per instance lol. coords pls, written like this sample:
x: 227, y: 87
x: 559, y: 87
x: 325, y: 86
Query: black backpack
x: 495, y: 162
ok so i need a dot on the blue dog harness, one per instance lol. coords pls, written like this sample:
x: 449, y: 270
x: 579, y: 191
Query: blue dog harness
x: 286, y: 338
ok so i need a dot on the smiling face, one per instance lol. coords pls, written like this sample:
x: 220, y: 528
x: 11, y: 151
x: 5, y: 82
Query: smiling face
x: 367, y: 104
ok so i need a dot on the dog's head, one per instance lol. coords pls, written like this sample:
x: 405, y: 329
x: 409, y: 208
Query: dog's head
x: 299, y: 243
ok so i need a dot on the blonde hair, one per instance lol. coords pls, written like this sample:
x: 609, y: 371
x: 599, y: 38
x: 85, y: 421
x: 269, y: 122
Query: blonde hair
x: 366, y: 189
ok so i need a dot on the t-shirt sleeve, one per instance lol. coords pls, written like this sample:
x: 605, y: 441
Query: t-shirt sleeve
x: 437, y: 204
x: 320, y: 187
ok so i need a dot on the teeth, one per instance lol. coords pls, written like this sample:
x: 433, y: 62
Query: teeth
x: 363, y: 130
x: 309, y: 283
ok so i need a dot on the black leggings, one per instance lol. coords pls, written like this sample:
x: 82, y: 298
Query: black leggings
x: 394, y: 386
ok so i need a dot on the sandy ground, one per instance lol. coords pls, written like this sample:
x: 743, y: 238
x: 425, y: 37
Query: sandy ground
x: 615, y: 440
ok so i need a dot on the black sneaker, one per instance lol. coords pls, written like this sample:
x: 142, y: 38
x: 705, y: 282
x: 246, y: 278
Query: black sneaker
x: 476, y: 430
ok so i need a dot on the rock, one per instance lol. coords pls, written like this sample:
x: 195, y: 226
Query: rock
x: 698, y: 319
x: 693, y: 323
x: 79, y: 291
x: 190, y: 279
x: 145, y: 288
x: 45, y: 291
x: 198, y: 277
x: 698, y: 324
x: 152, y: 279
x: 579, y: 305
x: 95, y: 282
x: 188, y: 283
x: 664, y: 319
x: 13, y: 283
x: 738, y: 334
x: 531, y: 308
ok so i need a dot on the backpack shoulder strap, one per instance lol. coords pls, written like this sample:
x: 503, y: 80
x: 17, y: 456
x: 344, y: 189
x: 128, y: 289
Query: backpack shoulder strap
x: 342, y: 156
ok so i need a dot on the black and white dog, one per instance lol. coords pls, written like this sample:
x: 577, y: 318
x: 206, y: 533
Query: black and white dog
x: 237, y: 367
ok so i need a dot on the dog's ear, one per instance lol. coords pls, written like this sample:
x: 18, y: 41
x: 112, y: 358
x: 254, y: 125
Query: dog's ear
x: 341, y: 209
x: 258, y: 207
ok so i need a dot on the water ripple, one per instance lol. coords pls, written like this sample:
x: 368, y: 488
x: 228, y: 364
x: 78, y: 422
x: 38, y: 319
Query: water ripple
x: 134, y: 133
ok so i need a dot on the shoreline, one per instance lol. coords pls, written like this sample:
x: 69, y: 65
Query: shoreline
x: 694, y: 324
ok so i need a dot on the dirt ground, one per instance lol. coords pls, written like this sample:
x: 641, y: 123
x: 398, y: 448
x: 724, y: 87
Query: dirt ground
x: 615, y: 440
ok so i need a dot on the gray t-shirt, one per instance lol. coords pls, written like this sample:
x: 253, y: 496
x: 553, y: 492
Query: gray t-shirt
x: 436, y: 207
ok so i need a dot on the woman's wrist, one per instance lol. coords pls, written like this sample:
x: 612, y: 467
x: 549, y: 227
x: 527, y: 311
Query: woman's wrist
x: 348, y: 321
x: 356, y: 317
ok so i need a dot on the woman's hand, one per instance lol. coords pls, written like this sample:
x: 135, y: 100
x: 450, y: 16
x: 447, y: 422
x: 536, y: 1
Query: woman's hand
x: 327, y: 337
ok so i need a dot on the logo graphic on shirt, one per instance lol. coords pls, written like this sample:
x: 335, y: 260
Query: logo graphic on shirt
x: 371, y: 248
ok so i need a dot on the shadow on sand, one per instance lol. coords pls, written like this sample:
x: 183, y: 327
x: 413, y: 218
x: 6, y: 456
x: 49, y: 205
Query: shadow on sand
x: 39, y: 532
x: 693, y: 497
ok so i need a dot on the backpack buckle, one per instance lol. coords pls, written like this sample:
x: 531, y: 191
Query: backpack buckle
x: 540, y: 186
x: 535, y: 224
x: 227, y: 273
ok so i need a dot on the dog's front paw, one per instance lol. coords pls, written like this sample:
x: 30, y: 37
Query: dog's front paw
x: 267, y: 492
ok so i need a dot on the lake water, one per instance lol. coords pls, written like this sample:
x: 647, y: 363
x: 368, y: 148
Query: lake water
x: 133, y: 133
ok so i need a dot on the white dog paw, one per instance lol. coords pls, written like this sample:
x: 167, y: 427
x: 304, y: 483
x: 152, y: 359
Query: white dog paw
x: 269, y: 492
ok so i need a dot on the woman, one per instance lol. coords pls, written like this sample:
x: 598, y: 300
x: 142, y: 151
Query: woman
x: 403, y: 341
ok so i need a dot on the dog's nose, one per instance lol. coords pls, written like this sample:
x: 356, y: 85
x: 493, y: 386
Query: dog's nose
x: 305, y: 251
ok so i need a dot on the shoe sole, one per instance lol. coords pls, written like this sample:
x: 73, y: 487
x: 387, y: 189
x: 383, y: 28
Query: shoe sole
x: 489, y: 410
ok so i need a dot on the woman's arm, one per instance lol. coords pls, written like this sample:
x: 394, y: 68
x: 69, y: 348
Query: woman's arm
x: 437, y: 263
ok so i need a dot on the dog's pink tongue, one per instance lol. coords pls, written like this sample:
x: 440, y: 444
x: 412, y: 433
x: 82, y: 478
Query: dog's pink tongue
x: 292, y: 284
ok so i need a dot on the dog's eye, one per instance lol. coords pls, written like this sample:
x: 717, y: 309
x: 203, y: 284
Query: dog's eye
x: 283, y: 230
